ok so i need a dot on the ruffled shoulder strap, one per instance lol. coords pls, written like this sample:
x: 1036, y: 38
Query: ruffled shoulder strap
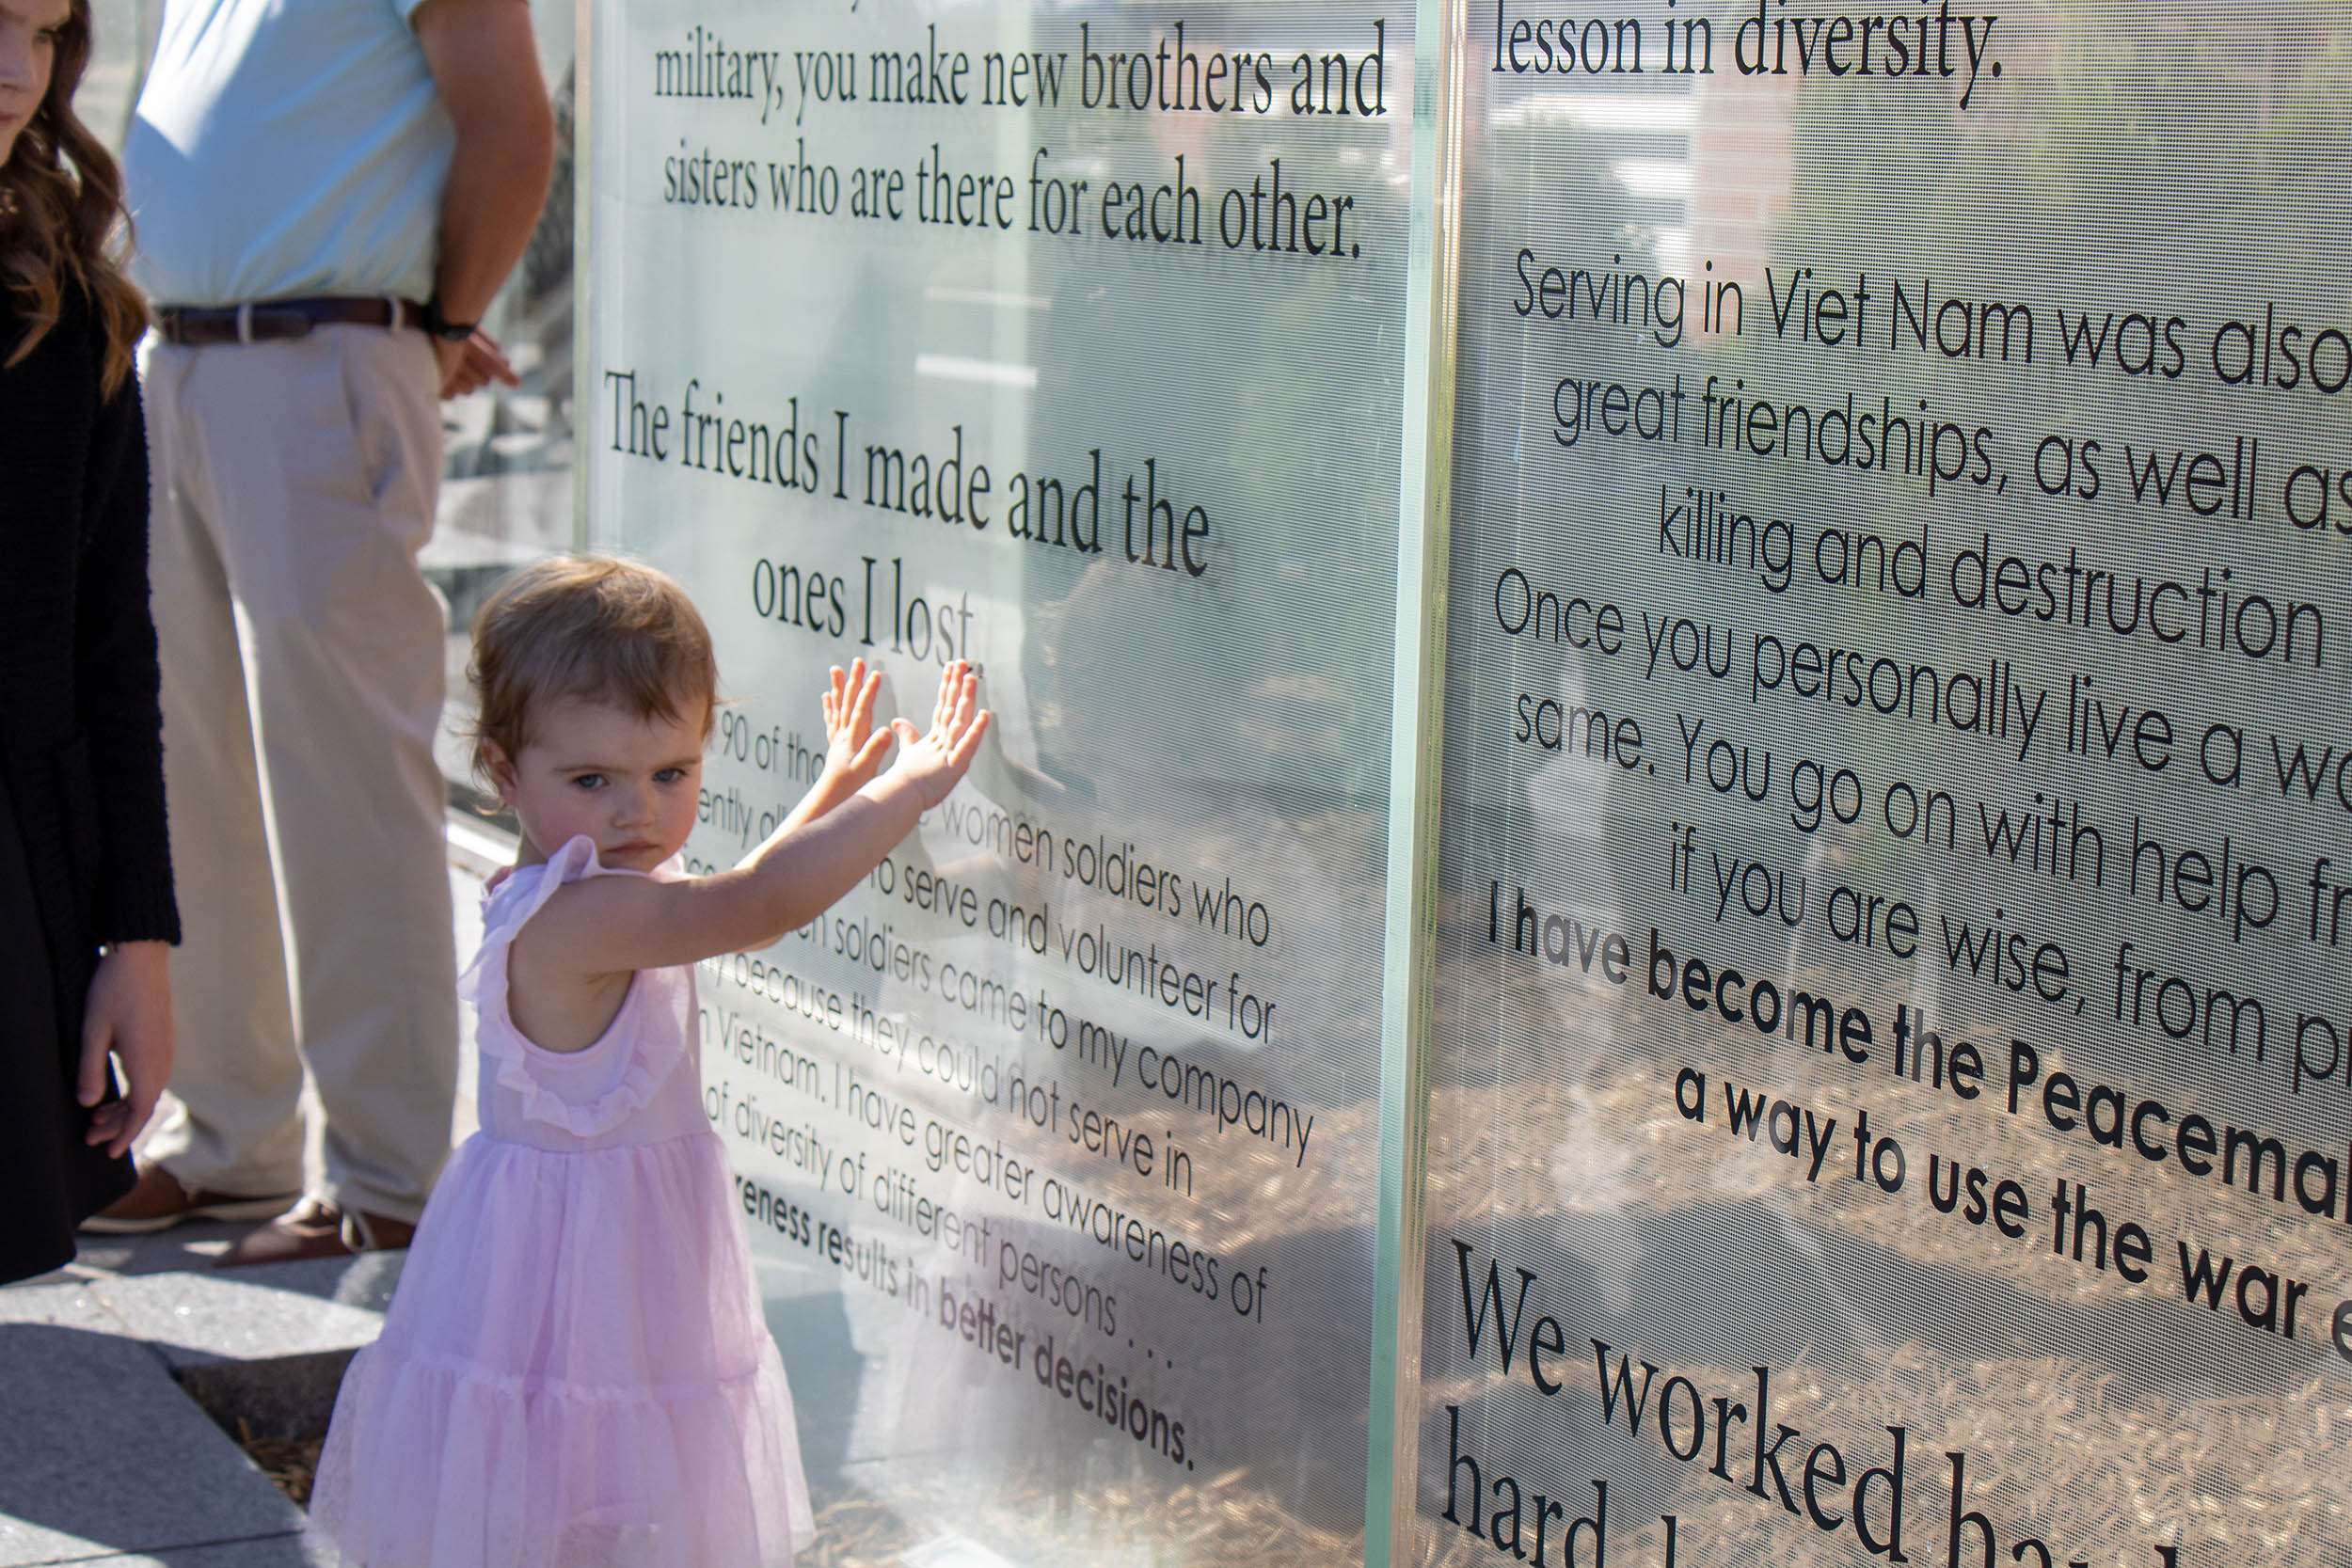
x: 507, y: 906
x: 576, y: 1091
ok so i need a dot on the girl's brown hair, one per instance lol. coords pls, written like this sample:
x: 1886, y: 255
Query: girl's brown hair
x: 60, y: 215
x: 590, y: 626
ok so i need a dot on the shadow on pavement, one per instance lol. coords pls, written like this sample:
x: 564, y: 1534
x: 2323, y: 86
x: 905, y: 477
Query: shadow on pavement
x: 98, y: 1447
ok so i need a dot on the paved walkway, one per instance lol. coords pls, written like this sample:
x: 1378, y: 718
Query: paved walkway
x: 105, y: 1458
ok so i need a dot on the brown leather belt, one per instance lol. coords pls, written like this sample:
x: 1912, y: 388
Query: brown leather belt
x: 274, y: 320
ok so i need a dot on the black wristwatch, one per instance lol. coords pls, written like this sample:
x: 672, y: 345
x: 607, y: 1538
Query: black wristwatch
x: 443, y: 328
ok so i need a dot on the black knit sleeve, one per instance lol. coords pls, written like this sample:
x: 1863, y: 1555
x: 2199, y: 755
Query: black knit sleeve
x: 118, y: 681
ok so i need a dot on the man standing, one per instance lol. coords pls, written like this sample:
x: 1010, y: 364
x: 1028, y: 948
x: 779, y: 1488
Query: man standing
x: 327, y: 195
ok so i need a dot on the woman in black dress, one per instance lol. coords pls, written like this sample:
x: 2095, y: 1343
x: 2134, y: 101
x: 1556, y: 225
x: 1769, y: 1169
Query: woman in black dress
x: 85, y: 905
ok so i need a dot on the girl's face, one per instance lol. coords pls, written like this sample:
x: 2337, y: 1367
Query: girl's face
x: 631, y: 784
x: 29, y: 49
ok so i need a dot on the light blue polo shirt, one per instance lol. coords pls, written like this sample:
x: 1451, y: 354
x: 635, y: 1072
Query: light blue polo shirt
x: 285, y: 148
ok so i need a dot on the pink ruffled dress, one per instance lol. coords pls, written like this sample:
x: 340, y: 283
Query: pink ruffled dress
x: 574, y: 1372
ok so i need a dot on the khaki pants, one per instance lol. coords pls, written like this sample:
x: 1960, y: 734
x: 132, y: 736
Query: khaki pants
x: 302, y: 653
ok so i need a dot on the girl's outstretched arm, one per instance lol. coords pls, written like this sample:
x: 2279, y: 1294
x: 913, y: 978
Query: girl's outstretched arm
x: 606, y: 926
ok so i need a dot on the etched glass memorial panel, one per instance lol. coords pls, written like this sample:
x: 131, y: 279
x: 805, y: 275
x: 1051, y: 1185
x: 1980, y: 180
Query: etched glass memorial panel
x: 1891, y: 1100
x: 1068, y: 340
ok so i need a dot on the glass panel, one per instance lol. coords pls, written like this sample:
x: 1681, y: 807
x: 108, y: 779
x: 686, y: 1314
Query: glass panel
x: 506, y: 493
x: 1893, y: 1068
x: 122, y: 41
x: 922, y: 333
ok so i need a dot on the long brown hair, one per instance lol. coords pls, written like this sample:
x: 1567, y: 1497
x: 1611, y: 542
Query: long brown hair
x: 62, y: 219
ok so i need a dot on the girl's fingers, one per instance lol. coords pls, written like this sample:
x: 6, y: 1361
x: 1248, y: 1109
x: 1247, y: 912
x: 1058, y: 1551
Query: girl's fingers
x: 869, y: 756
x: 968, y: 746
x: 114, y: 1126
x: 90, y: 1081
x: 868, y: 689
x: 107, y: 1126
x: 939, y: 703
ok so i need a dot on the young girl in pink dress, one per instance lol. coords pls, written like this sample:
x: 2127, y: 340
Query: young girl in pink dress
x: 574, y: 1372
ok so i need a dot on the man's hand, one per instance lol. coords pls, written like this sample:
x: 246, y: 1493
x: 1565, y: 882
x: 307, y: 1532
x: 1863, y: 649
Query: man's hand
x: 469, y: 365
x: 487, y: 69
x: 128, y: 1017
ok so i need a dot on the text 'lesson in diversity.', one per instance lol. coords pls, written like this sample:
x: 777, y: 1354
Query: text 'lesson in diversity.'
x: 1664, y: 877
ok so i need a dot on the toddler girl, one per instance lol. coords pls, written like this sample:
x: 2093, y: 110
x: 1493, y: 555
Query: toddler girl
x: 574, y: 1372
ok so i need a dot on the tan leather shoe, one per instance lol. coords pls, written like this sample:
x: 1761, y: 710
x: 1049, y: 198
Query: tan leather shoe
x: 316, y: 1228
x: 157, y: 1201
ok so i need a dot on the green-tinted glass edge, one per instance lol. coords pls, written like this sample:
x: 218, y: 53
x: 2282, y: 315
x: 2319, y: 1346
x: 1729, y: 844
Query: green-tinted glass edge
x: 1417, y: 731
